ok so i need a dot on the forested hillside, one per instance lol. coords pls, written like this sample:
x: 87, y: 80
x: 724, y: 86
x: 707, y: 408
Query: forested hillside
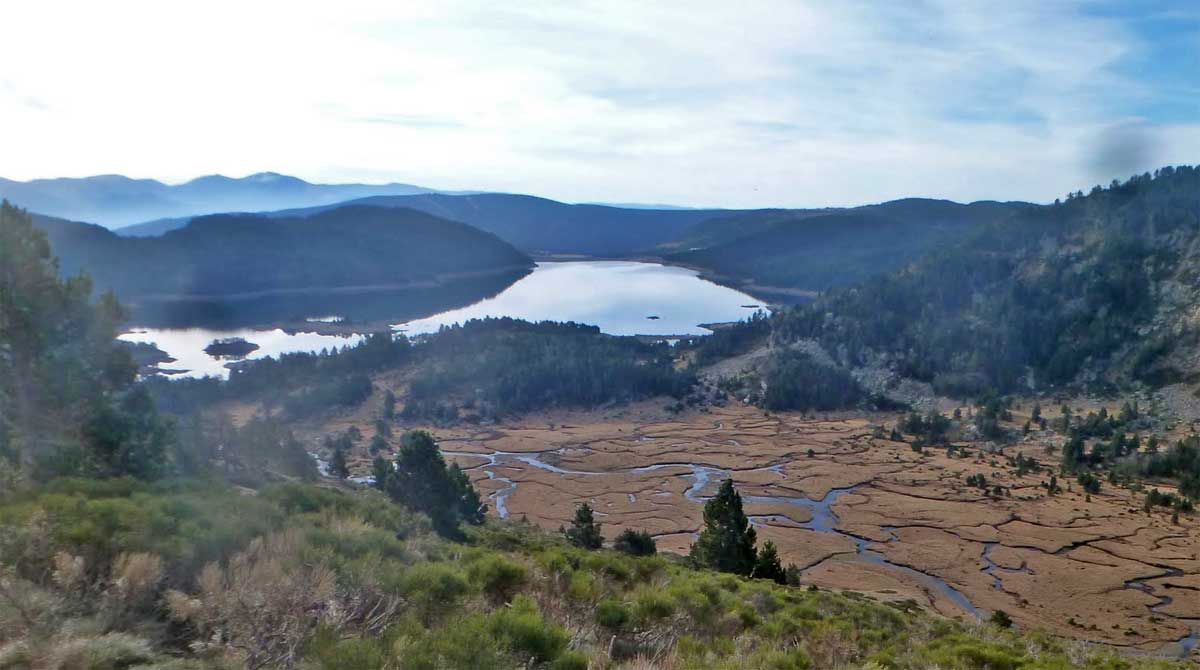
x: 1096, y: 290
x: 228, y: 254
x: 819, y: 249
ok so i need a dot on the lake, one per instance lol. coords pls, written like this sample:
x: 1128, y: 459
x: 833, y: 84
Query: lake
x: 621, y: 297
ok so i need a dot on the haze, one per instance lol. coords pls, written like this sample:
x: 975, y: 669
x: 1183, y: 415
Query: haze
x: 768, y: 104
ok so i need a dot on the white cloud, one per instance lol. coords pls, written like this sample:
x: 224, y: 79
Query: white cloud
x: 735, y: 104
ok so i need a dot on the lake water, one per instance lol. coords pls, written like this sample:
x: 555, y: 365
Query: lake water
x: 618, y: 296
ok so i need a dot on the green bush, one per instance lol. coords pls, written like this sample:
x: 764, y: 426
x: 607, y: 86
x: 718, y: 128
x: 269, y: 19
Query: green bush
x: 570, y: 660
x: 434, y: 587
x: 500, y: 578
x: 612, y: 614
x: 523, y: 630
x: 651, y: 606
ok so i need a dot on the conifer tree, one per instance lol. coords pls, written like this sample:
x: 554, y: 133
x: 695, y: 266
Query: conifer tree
x: 382, y: 471
x: 767, y: 565
x: 337, y: 462
x: 727, y: 541
x: 585, y: 531
x: 422, y: 482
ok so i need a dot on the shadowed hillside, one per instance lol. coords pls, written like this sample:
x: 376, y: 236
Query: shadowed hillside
x: 534, y: 225
x: 817, y: 249
x: 355, y: 248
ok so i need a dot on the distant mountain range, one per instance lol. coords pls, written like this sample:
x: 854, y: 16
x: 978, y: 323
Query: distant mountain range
x: 114, y: 201
x: 798, y: 250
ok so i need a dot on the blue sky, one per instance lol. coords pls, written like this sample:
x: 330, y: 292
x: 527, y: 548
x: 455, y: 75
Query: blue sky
x: 761, y: 103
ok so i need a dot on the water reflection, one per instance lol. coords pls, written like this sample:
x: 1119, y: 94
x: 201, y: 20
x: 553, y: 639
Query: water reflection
x: 186, y: 346
x: 618, y: 296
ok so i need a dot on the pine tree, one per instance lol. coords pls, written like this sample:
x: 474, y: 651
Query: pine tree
x: 389, y: 405
x: 584, y: 531
x: 471, y: 508
x: 767, y: 565
x: 727, y: 541
x: 68, y: 402
x: 337, y: 463
x: 635, y: 543
x: 421, y: 481
x: 382, y: 471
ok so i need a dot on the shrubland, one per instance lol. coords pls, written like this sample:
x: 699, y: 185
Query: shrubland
x: 196, y: 574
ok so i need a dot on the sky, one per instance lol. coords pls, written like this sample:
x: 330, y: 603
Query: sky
x: 732, y: 104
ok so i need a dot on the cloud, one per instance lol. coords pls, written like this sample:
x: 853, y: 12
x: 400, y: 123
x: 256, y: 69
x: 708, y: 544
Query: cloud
x: 774, y: 103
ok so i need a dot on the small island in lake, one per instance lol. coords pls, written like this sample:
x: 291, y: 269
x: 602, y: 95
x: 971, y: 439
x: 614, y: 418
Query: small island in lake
x: 230, y: 347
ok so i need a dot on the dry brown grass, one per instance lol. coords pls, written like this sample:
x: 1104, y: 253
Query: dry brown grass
x: 70, y: 571
x: 135, y: 577
x: 262, y: 604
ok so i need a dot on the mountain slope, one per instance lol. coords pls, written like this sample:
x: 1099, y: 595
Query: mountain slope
x: 1098, y: 290
x: 230, y: 254
x: 114, y: 200
x: 817, y: 249
x: 534, y: 225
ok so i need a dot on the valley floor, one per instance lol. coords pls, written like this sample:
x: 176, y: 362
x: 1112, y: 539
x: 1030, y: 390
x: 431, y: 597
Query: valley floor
x: 861, y: 513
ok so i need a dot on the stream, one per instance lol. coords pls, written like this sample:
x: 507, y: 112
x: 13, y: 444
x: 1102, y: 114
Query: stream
x: 824, y: 520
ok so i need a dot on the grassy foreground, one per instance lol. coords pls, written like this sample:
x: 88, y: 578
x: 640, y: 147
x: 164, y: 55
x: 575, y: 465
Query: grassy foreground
x: 107, y: 575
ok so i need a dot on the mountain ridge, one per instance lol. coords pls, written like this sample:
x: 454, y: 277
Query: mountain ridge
x: 114, y: 200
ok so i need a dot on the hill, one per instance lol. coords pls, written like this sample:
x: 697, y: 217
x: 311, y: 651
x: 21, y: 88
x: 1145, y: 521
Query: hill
x: 1096, y: 292
x: 245, y: 256
x: 534, y: 225
x: 818, y: 249
x: 115, y: 200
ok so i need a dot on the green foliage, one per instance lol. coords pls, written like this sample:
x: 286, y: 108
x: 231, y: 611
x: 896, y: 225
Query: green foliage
x: 767, y: 565
x: 523, y: 630
x: 726, y: 342
x: 458, y: 606
x: 338, y: 449
x: 434, y: 588
x: 504, y: 366
x: 498, y: 577
x: 795, y: 381
x: 1035, y: 298
x: 1089, y: 482
x: 726, y: 543
x: 323, y: 380
x: 585, y: 530
x: 635, y: 543
x: 931, y: 427
x: 1000, y: 618
x: 67, y: 404
x: 612, y: 614
x: 422, y: 482
x: 822, y: 248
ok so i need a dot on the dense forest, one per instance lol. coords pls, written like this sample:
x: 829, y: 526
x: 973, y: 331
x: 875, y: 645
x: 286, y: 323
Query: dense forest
x: 494, y: 367
x: 482, y: 369
x: 229, y: 254
x: 820, y: 249
x: 1066, y: 294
